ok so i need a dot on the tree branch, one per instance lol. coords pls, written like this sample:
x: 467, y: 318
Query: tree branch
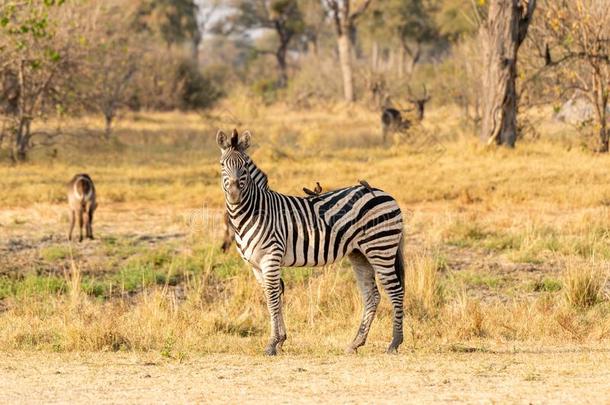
x: 365, y: 4
x: 526, y: 18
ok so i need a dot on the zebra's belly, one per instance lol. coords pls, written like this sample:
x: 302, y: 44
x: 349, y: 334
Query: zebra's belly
x: 319, y: 247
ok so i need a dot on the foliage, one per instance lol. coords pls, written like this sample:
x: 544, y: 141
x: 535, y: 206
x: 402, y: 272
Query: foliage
x: 175, y: 21
x: 35, y: 49
x: 283, y: 17
x: 577, y: 52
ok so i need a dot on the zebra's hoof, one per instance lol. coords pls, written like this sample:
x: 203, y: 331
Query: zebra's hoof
x: 280, y: 344
x: 351, y: 350
x: 392, y: 350
x: 270, y: 351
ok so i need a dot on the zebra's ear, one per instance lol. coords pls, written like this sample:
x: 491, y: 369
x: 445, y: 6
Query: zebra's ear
x: 244, y: 140
x: 222, y: 140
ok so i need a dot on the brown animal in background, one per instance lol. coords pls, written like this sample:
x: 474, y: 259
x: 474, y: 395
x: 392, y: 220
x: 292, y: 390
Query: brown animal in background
x: 392, y: 121
x: 81, y: 199
x: 419, y: 102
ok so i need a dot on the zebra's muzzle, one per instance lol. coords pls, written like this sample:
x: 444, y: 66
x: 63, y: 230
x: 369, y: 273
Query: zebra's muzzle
x: 233, y: 193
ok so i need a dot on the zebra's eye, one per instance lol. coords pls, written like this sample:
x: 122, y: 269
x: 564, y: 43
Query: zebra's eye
x: 242, y: 184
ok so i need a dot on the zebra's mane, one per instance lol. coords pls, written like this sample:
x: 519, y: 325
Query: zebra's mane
x: 258, y: 176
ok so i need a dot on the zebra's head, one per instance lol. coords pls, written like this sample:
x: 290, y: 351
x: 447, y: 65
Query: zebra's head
x: 235, y: 175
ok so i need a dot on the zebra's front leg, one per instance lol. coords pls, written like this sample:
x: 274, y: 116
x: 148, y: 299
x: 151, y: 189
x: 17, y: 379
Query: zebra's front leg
x: 282, y: 326
x: 273, y: 292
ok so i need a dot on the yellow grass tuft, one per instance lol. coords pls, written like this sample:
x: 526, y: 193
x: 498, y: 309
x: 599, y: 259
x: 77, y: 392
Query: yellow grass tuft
x: 584, y: 282
x: 423, y: 291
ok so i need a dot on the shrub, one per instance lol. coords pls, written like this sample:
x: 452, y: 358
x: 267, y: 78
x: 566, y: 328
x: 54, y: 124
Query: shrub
x: 194, y: 89
x: 175, y: 82
x: 266, y: 89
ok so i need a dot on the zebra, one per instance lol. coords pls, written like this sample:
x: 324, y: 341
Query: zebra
x: 274, y: 230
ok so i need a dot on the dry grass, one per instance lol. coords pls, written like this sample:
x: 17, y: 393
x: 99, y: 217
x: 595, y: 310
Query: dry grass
x: 423, y: 290
x: 209, y: 314
x: 584, y: 283
x: 488, y: 233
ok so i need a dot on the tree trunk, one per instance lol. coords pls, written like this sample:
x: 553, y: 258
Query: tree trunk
x: 345, y: 52
x: 603, y: 122
x: 414, y: 60
x: 600, y: 96
x: 22, y: 131
x: 603, y: 139
x: 375, y: 56
x: 108, y: 127
x: 312, y: 45
x: 401, y: 63
x: 22, y: 141
x: 280, y: 56
x: 196, y: 42
x: 501, y: 37
x: 390, y: 60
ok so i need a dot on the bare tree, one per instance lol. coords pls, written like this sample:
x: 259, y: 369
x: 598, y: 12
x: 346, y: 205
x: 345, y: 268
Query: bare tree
x: 577, y: 46
x: 111, y: 60
x: 282, y: 16
x: 501, y: 35
x: 344, y: 20
x: 206, y: 10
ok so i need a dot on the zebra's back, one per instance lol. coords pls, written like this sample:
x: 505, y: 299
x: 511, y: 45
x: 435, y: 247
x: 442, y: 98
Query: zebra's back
x: 321, y: 230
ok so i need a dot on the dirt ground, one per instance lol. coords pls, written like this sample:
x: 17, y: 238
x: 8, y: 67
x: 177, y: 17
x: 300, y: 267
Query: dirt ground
x: 555, y: 376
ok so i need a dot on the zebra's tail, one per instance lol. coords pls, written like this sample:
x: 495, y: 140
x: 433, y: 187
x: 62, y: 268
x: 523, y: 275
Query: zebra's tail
x: 399, y: 264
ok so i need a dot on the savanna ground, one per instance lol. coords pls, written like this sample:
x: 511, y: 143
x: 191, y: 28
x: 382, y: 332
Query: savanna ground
x: 507, y: 282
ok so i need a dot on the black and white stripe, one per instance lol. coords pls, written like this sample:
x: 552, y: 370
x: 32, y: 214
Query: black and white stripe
x: 273, y: 230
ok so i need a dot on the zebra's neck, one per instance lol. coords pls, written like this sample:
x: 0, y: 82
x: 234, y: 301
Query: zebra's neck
x: 253, y: 205
x: 259, y: 178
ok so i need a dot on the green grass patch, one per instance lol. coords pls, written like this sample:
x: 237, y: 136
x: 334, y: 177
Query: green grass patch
x: 502, y: 241
x: 96, y: 288
x: 55, y: 253
x: 465, y: 234
x: 231, y: 266
x: 480, y: 280
x: 297, y: 274
x: 546, y: 285
x: 118, y: 248
x: 31, y: 285
x: 134, y: 277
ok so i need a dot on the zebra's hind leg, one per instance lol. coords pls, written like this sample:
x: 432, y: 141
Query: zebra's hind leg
x: 282, y: 325
x: 392, y: 283
x: 365, y: 277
